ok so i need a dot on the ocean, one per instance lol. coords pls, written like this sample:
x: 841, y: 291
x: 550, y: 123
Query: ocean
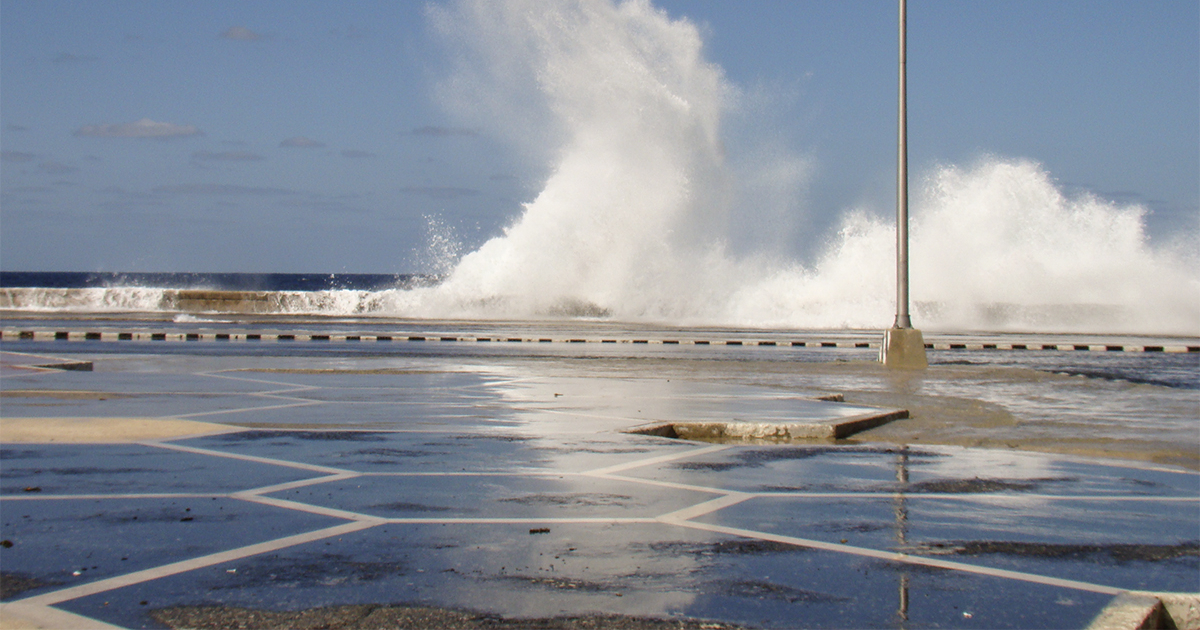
x: 211, y: 281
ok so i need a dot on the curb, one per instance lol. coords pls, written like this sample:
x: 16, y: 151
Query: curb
x: 58, y: 335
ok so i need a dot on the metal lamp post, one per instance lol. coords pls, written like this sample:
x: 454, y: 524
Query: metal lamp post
x: 903, y: 345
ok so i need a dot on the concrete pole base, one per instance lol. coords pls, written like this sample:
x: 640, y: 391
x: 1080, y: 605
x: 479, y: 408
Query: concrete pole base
x: 903, y: 348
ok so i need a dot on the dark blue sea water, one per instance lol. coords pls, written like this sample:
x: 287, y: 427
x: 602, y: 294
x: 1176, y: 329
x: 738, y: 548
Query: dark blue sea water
x: 212, y: 281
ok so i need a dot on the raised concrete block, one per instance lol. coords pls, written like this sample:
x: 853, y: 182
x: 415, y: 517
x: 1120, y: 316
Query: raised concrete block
x: 744, y: 431
x: 903, y: 348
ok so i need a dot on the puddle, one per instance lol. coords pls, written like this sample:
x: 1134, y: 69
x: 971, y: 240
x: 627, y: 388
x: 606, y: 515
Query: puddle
x: 736, y: 547
x: 1118, y: 552
x: 331, y: 436
x: 977, y: 485
x: 571, y: 499
x: 757, y: 589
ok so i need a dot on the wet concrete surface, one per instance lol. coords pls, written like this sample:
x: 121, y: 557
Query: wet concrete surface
x: 502, y: 492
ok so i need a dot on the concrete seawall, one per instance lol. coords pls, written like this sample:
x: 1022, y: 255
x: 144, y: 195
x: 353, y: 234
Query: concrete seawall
x: 167, y: 300
x: 203, y: 301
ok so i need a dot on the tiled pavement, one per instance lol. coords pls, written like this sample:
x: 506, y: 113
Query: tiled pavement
x: 435, y: 482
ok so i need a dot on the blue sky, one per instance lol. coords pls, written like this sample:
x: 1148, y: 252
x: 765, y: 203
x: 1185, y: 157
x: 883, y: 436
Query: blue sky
x: 308, y: 136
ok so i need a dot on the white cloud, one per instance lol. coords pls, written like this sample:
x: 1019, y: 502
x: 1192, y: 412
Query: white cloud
x: 302, y: 142
x: 241, y: 33
x: 144, y: 128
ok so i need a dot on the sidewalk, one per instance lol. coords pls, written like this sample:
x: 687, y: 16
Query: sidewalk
x: 456, y: 492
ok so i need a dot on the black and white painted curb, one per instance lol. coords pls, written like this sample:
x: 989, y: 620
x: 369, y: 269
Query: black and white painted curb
x: 150, y: 336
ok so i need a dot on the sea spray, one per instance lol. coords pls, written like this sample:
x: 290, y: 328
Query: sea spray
x: 997, y: 246
x: 87, y: 300
x: 633, y: 218
x: 634, y: 207
x: 441, y: 251
x: 1002, y: 246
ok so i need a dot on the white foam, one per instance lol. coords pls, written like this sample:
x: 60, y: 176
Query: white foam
x: 96, y: 299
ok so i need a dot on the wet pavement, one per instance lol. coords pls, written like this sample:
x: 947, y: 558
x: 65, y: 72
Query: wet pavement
x: 506, y: 486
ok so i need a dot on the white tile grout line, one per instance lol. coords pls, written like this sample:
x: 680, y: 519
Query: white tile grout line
x: 137, y: 577
x: 967, y: 496
x: 707, y: 507
x: 296, y: 506
x: 607, y: 470
x: 519, y: 520
x: 901, y: 558
x: 292, y: 485
x: 222, y: 374
x: 202, y: 414
x: 122, y: 497
x: 249, y: 458
x: 476, y: 473
x: 279, y: 393
x: 668, y: 484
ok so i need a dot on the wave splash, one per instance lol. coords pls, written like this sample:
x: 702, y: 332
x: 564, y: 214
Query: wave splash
x: 633, y: 207
x: 997, y: 246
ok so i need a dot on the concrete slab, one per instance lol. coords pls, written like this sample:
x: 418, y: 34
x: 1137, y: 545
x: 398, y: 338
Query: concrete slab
x: 1184, y: 609
x: 821, y: 427
x: 1180, y: 611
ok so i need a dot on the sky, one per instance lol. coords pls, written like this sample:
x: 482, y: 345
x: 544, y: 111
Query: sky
x: 309, y: 136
